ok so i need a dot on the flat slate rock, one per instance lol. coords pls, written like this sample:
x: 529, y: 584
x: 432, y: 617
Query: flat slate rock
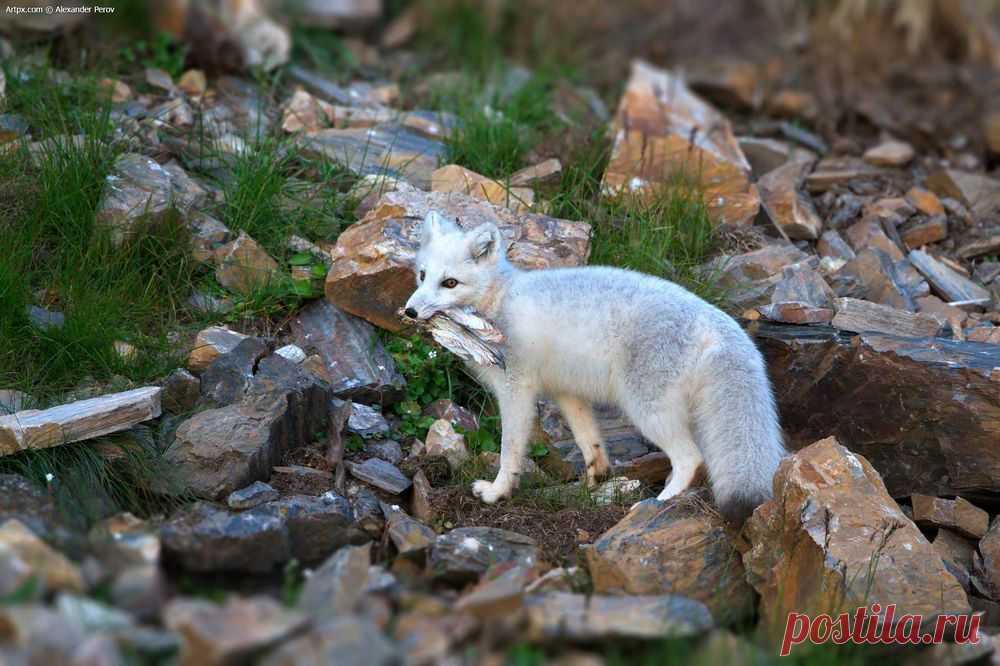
x: 381, y: 474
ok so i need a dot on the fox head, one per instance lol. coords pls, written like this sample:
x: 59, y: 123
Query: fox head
x: 453, y: 268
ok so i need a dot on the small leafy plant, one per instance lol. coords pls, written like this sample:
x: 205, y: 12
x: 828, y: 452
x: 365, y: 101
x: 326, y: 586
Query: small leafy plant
x: 430, y: 375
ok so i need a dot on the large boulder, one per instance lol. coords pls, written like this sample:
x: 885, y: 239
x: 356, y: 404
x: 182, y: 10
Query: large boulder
x: 664, y: 132
x: 834, y: 540
x: 221, y: 450
x: 924, y: 411
x: 372, y: 274
x: 679, y: 547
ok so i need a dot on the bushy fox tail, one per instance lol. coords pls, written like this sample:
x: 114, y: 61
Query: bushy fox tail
x: 736, y: 420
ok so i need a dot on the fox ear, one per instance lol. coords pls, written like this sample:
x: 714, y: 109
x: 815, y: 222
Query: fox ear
x: 485, y: 243
x: 433, y: 225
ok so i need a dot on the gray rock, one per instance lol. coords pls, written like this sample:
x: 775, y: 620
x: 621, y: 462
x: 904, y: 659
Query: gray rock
x: 380, y: 474
x: 388, y: 450
x: 356, y: 364
x: 230, y: 376
x: 336, y: 587
x: 368, y: 512
x: 316, y: 526
x: 141, y: 590
x: 407, y: 534
x: 137, y: 188
x: 122, y: 541
x: 255, y: 494
x: 345, y: 641
x: 181, y: 391
x: 220, y: 450
x: 204, y: 537
x: 465, y: 553
x: 205, y: 302
x: 366, y: 421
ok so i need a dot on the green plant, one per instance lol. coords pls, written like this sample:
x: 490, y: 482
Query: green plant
x: 495, y: 130
x: 162, y: 52
x: 292, y: 582
x: 430, y: 375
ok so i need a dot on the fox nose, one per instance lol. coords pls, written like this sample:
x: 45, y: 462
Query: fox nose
x: 410, y: 312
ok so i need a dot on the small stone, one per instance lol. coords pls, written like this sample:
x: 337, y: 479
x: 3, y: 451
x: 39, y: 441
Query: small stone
x: 136, y: 189
x: 863, y: 316
x: 293, y: 353
x: 455, y: 178
x: 958, y: 514
x: 140, y: 590
x: 116, y: 90
x: 925, y: 232
x: 255, y: 494
x: 407, y: 534
x: 244, y: 266
x: 209, y: 344
x: 344, y: 641
x: 890, y: 154
x: 181, y: 391
x: 925, y: 201
x: 45, y: 320
x: 380, y: 474
x: 123, y: 541
x: 791, y: 210
x: 369, y: 512
x: 366, y: 421
x: 500, y: 592
x: 158, y: 78
x: 421, y: 503
x: 977, y: 192
x: 442, y: 440
x: 209, y: 303
x: 465, y: 553
x: 944, y: 313
x: 338, y: 585
x: 619, y: 490
x: 193, y: 83
x: 543, y: 172
x: 947, y: 282
x: 218, y: 635
x: 790, y: 103
x: 207, y: 236
x: 388, y: 450
x: 458, y: 416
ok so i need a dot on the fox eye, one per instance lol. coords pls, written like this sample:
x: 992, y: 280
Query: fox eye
x: 449, y: 283
x: 422, y: 275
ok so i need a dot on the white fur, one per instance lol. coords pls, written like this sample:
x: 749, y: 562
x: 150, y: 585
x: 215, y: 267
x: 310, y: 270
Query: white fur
x: 683, y: 371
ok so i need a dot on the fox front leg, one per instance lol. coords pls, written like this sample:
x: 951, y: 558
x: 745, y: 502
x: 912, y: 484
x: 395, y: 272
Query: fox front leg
x: 517, y: 418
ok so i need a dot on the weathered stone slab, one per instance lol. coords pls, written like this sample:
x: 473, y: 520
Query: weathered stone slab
x: 948, y: 283
x: 372, y: 277
x: 77, y: 421
x: 863, y: 316
x: 924, y: 411
x: 662, y: 132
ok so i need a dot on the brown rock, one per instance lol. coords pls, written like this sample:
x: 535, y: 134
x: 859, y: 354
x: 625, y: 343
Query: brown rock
x: 455, y: 178
x: 868, y: 233
x: 407, y: 535
x: 421, y: 505
x: 832, y: 244
x: 801, y: 297
x: 25, y: 558
x: 958, y: 514
x: 662, y: 131
x: 791, y: 211
x: 954, y: 548
x: 368, y: 190
x: 790, y: 103
x: 371, y: 276
x: 986, y: 563
x: 727, y: 83
x: 115, y: 89
x: 928, y: 231
x: 978, y: 193
x: 338, y: 585
x: 944, y: 313
x: 137, y: 189
x: 991, y: 130
x: 543, y: 172
x: 839, y: 171
x: 679, y: 547
x: 458, y: 416
x: 926, y: 416
x: 979, y: 247
x: 192, y: 83
x: 835, y: 540
x: 890, y: 154
x: 988, y: 334
x: 214, y: 635
x: 211, y: 343
x: 499, y: 593
x: 862, y: 316
x: 244, y: 265
x: 872, y: 275
x: 207, y: 236
x: 925, y: 201
x: 305, y: 113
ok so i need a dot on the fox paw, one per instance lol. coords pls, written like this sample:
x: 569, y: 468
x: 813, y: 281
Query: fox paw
x: 597, y: 472
x: 489, y: 492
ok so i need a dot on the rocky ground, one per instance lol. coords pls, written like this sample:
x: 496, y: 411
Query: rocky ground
x: 220, y: 444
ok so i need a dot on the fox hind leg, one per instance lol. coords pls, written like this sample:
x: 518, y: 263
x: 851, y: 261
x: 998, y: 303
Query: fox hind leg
x: 587, y: 433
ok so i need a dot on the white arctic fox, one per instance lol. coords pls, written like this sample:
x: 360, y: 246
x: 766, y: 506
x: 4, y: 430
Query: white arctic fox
x: 683, y: 371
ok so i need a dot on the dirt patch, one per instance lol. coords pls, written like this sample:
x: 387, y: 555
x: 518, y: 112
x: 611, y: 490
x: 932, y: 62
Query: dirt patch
x: 559, y: 533
x: 308, y: 457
